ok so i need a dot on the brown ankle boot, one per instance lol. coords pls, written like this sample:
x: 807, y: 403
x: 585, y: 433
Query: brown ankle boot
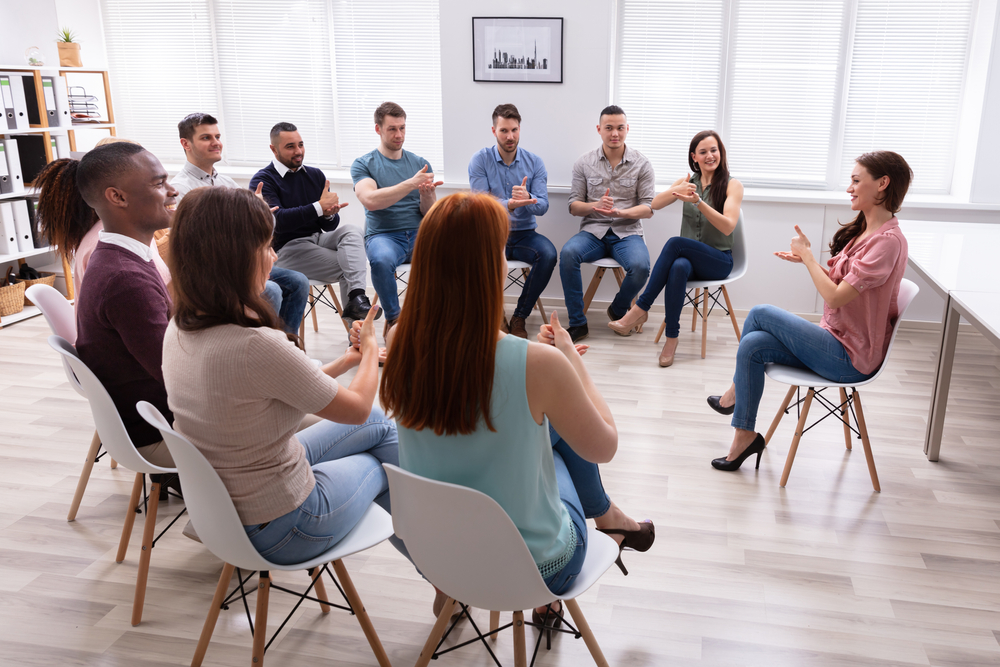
x: 517, y: 327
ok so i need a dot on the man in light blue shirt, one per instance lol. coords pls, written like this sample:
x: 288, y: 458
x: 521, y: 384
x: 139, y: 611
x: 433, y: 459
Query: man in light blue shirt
x: 519, y: 180
x: 396, y: 188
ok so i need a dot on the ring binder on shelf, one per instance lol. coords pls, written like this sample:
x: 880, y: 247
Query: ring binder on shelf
x: 5, y: 183
x: 62, y: 103
x: 7, y: 96
x: 62, y: 145
x: 22, y: 226
x: 13, y: 164
x: 8, y: 240
x: 49, y: 93
x: 20, y: 102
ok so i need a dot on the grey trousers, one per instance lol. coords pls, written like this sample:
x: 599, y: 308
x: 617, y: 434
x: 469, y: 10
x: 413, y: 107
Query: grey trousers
x: 330, y: 257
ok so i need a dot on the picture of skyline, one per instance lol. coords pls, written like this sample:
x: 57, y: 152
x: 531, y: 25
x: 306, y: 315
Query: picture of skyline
x: 513, y: 49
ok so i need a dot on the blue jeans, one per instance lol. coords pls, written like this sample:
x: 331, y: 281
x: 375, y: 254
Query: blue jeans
x: 773, y: 335
x: 385, y: 252
x: 630, y: 252
x: 347, y: 463
x: 531, y: 247
x: 681, y: 260
x: 582, y: 492
x: 294, y: 288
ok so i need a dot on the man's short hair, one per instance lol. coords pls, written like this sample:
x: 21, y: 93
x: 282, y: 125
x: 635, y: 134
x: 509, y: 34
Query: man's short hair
x: 278, y: 129
x: 612, y: 110
x: 388, y: 109
x: 186, y: 127
x: 101, y: 167
x: 508, y: 111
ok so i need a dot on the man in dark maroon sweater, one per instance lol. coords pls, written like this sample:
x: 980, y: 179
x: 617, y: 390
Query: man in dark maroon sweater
x: 123, y: 306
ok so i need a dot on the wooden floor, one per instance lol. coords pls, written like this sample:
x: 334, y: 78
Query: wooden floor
x: 823, y: 572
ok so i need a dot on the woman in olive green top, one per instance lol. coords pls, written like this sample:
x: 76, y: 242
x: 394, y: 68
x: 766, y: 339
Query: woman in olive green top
x: 703, y: 251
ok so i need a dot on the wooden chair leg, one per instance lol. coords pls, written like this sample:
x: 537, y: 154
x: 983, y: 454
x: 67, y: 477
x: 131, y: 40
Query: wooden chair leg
x: 619, y: 276
x: 260, y: 621
x: 435, y: 636
x: 663, y: 327
x: 860, y: 414
x: 320, y: 588
x: 359, y: 611
x: 588, y: 634
x: 494, y: 624
x: 798, y: 436
x: 694, y: 315
x: 213, y: 615
x: 129, y: 518
x: 520, y: 656
x: 81, y: 485
x: 114, y: 464
x: 844, y: 412
x: 781, y: 413
x: 340, y: 311
x: 312, y: 302
x: 704, y: 321
x: 148, y: 529
x: 592, y: 288
x: 732, y: 315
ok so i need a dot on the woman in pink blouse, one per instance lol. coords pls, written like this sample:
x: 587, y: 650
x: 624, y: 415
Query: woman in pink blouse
x: 868, y: 257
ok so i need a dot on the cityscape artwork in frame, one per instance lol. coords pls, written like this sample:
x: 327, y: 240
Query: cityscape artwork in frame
x: 522, y: 50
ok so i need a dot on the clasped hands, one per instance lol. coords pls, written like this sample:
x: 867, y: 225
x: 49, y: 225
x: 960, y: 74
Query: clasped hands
x: 424, y: 182
x: 553, y: 334
x: 363, y: 340
x: 800, y: 249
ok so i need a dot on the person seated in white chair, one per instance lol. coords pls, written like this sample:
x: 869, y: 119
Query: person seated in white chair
x: 238, y: 388
x: 704, y: 249
x: 859, y: 287
x: 473, y: 404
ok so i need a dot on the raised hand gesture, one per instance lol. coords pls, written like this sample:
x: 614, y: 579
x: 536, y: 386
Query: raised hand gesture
x: 606, y: 205
x: 800, y: 245
x: 424, y: 181
x: 683, y: 187
x: 519, y: 196
x: 330, y: 201
x: 259, y: 194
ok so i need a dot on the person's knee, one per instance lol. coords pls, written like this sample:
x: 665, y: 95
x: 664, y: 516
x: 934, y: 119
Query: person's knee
x: 273, y: 294
x: 382, y: 262
x: 570, y: 256
x: 639, y: 268
x: 547, y: 255
x: 758, y: 314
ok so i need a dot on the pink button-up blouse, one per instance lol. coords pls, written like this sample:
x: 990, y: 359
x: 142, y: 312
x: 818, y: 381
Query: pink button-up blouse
x: 873, y: 266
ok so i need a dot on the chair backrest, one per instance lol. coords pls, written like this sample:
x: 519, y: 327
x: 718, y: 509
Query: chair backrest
x: 61, y: 318
x: 907, y: 292
x: 464, y: 543
x: 740, y: 262
x: 212, y: 511
x: 109, y: 424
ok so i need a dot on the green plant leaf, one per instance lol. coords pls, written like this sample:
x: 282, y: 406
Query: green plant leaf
x: 66, y: 35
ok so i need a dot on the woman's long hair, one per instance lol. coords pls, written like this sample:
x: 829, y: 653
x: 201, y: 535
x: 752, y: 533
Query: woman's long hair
x: 439, y: 374
x: 877, y: 164
x: 63, y: 216
x: 720, y: 180
x: 215, y: 260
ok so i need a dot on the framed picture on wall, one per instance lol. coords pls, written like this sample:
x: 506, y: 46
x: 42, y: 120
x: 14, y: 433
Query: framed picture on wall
x: 521, y: 50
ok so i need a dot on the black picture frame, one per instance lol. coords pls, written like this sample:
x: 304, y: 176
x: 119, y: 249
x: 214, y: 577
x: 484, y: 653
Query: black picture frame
x: 505, y: 49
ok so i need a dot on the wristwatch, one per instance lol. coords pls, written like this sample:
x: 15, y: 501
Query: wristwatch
x: 699, y: 200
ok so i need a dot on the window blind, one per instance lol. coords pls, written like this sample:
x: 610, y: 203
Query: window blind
x: 906, y: 83
x: 378, y: 62
x: 782, y: 101
x: 670, y: 77
x: 161, y: 67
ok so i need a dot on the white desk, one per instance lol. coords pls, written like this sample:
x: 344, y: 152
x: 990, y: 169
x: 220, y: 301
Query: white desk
x: 958, y: 260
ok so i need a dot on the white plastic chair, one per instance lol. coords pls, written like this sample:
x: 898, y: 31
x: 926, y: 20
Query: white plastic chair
x: 517, y: 274
x: 117, y: 441
x: 710, y: 289
x: 603, y: 265
x: 59, y: 314
x: 327, y: 296
x: 801, y: 377
x: 217, y: 523
x: 465, y: 544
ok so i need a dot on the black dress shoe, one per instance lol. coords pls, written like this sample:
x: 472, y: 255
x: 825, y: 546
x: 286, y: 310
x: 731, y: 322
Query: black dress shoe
x: 756, y: 447
x: 357, y: 309
x: 578, y: 333
x: 713, y: 402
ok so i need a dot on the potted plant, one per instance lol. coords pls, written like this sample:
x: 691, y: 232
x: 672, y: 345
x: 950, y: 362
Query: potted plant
x: 69, y: 49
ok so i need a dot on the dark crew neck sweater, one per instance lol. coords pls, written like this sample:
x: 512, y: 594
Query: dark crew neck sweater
x: 294, y: 195
x: 122, y: 312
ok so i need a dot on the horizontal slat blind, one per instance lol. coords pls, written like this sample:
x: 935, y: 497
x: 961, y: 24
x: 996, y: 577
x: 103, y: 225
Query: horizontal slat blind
x: 906, y: 83
x: 389, y: 51
x: 669, y: 77
x: 274, y: 65
x: 160, y: 59
x: 786, y: 66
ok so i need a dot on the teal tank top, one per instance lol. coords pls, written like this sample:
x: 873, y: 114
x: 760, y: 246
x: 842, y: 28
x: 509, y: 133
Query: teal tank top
x: 512, y: 465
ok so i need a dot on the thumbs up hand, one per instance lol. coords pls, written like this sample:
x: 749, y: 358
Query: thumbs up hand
x: 606, y: 206
x: 519, y: 196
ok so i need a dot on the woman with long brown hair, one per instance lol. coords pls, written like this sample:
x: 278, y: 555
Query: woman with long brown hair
x: 704, y: 249
x: 238, y: 387
x: 474, y: 405
x: 859, y: 286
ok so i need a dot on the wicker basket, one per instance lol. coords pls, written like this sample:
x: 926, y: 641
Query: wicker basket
x: 11, y: 299
x: 46, y: 279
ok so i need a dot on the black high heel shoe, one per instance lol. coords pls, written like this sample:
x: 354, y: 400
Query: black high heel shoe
x: 713, y: 402
x: 755, y: 447
x: 552, y: 620
x: 637, y: 540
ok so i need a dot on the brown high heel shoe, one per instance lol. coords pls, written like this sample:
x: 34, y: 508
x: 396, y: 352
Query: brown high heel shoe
x: 623, y: 330
x: 637, y: 540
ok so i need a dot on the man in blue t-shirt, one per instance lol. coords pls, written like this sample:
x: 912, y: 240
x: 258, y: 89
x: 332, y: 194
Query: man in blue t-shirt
x: 519, y: 180
x: 396, y: 188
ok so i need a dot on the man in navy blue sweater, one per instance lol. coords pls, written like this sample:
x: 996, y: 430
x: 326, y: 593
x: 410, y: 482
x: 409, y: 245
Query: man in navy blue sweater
x: 308, y: 236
